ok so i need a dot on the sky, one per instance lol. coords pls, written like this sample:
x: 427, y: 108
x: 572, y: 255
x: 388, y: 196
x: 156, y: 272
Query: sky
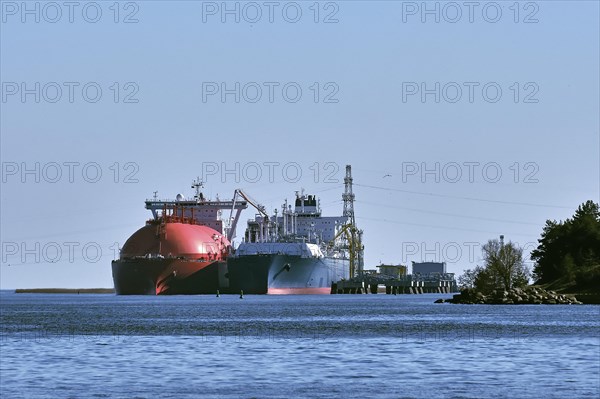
x: 462, y: 121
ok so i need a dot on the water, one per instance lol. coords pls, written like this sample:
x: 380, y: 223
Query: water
x: 342, y: 346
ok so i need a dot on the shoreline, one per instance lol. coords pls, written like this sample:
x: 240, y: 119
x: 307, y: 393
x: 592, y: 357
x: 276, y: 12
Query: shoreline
x: 65, y: 291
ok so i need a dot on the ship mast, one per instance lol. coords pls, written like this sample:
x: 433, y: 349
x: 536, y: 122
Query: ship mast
x: 197, y: 185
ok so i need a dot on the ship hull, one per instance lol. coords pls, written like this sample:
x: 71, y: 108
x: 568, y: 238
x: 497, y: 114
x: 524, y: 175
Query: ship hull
x: 285, y: 274
x: 162, y: 276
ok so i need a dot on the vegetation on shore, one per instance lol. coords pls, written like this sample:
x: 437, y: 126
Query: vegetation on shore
x: 567, y: 261
x: 503, y: 269
x: 568, y: 256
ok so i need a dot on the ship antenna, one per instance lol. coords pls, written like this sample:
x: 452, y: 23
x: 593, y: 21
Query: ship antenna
x: 197, y: 184
x: 155, y: 195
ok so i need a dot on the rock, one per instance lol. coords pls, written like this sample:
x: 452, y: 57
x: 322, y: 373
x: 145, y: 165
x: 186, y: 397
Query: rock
x: 439, y: 301
x: 527, y: 295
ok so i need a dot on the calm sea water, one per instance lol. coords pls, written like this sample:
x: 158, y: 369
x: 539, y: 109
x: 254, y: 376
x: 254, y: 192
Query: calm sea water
x: 342, y: 346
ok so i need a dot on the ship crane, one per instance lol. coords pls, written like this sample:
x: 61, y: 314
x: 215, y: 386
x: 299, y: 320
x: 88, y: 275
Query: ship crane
x: 260, y: 208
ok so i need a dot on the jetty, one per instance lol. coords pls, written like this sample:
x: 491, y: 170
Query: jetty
x: 426, y: 278
x: 409, y: 284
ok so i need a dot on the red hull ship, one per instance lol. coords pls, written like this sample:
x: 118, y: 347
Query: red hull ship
x: 183, y: 249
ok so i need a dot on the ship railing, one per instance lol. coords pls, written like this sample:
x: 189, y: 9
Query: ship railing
x: 192, y: 202
x: 175, y: 219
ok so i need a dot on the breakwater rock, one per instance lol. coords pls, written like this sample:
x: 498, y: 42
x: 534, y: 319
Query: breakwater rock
x: 514, y: 296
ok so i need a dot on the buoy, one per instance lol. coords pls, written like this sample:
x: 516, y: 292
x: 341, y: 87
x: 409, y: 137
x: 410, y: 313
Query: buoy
x: 242, y: 294
x: 218, y: 293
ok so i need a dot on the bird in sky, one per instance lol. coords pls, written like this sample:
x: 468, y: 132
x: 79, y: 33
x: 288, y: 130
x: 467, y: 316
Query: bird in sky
x: 388, y: 175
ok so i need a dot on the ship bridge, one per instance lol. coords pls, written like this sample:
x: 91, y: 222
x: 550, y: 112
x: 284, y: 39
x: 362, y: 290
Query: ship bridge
x: 199, y: 210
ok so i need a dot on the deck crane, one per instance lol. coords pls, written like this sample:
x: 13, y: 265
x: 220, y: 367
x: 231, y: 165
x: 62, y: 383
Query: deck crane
x: 260, y: 208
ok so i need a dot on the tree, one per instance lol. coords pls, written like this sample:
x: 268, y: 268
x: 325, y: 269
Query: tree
x: 505, y: 265
x: 570, y: 250
x: 503, y: 268
x: 467, y: 280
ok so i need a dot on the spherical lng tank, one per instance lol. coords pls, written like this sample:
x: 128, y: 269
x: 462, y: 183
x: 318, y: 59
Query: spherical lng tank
x: 172, y: 258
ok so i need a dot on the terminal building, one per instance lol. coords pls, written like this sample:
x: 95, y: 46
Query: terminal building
x: 424, y: 268
x: 395, y: 271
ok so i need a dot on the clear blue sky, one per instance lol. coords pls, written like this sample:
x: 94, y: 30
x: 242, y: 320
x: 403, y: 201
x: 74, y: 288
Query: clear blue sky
x: 371, y: 61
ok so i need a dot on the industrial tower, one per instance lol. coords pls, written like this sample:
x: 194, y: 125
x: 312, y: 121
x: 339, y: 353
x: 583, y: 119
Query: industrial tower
x: 356, y: 234
x: 348, y: 196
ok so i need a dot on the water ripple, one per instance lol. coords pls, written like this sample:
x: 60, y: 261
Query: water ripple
x: 315, y: 346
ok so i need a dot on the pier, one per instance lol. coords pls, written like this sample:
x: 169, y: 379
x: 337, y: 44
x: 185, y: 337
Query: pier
x: 408, y: 284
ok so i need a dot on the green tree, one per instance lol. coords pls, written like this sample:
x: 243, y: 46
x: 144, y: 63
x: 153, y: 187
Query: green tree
x: 503, y: 268
x: 468, y: 278
x: 504, y: 264
x: 569, y: 250
x: 485, y: 281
